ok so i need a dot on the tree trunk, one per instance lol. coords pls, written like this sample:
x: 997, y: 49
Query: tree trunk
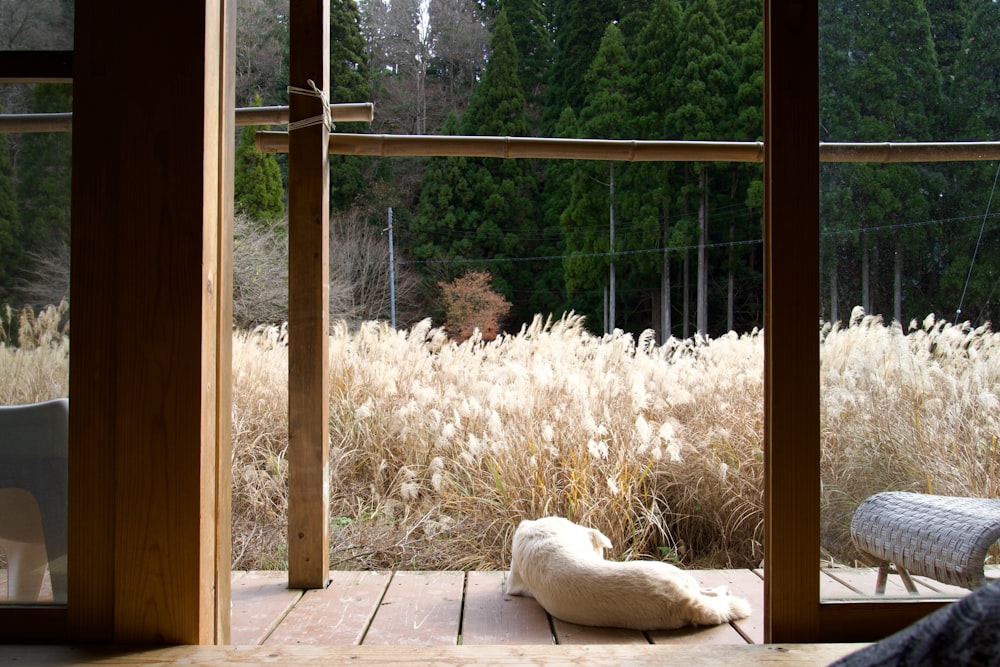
x: 834, y: 290
x: 897, y: 283
x: 702, y: 305
x: 731, y: 291
x: 665, y: 324
x: 687, y: 295
x: 611, y: 249
x: 866, y: 295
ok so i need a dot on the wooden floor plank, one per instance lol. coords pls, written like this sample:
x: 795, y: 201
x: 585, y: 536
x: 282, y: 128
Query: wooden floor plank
x: 336, y: 615
x: 832, y: 588
x: 571, y: 633
x: 863, y: 579
x: 493, y: 617
x: 259, y: 601
x: 785, y: 655
x: 743, y: 583
x: 946, y: 590
x: 419, y: 608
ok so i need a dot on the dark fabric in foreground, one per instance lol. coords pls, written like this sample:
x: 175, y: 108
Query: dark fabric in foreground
x: 966, y: 632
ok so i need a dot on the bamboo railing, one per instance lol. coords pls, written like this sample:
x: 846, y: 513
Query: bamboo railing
x: 393, y: 145
x: 389, y: 145
x: 362, y: 112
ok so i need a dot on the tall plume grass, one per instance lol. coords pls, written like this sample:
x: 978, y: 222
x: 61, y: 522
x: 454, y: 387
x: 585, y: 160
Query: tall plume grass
x: 438, y: 449
x: 34, y: 354
x: 915, y: 411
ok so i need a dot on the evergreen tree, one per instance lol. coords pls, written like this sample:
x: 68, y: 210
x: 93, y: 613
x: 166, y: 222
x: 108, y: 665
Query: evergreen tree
x: 350, y: 175
x: 11, y: 251
x: 505, y: 190
x: 654, y: 51
x: 879, y: 83
x: 447, y: 215
x: 975, y: 99
x: 534, y: 49
x: 949, y: 19
x: 257, y: 187
x: 579, y: 27
x: 703, y: 81
x: 589, y: 221
x: 43, y: 169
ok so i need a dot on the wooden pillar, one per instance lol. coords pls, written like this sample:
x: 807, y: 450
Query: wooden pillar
x: 149, y: 464
x: 308, y: 301
x: 791, y: 339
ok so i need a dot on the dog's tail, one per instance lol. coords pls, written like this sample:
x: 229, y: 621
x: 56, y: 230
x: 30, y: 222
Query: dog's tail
x: 717, y: 607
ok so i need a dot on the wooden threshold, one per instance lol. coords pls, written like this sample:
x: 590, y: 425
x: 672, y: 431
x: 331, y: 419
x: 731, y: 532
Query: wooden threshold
x: 800, y: 655
x: 452, y: 618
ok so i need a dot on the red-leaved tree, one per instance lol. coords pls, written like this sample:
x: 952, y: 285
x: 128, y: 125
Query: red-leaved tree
x: 470, y: 303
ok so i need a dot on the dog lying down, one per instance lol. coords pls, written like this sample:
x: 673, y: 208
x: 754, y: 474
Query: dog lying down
x: 561, y: 564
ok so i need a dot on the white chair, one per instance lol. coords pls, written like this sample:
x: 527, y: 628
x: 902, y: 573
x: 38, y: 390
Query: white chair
x: 34, y: 443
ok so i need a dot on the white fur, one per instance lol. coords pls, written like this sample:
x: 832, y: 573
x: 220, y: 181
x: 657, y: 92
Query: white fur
x: 561, y: 564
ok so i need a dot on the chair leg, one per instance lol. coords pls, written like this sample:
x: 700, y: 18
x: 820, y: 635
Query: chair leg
x: 883, y: 575
x: 26, y: 564
x: 907, y: 580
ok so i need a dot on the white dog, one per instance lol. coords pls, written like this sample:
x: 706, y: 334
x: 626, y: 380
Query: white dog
x: 561, y: 564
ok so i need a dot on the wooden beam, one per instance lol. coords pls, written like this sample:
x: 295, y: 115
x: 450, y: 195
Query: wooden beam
x: 762, y: 655
x: 36, y: 66
x: 225, y: 103
x: 791, y: 311
x: 145, y: 492
x: 308, y: 301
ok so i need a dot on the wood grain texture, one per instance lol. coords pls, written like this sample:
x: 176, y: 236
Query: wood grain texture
x: 226, y: 104
x: 743, y: 583
x: 143, y: 377
x: 491, y: 616
x: 308, y: 302
x: 419, y: 608
x: 571, y: 633
x: 261, y: 600
x: 336, y: 615
x: 785, y: 655
x: 791, y: 310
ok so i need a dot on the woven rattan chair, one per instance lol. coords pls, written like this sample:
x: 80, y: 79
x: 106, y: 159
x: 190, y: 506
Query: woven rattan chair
x: 942, y: 537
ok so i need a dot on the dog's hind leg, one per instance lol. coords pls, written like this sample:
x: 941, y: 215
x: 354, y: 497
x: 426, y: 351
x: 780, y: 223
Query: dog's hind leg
x: 716, y: 609
x: 515, y: 585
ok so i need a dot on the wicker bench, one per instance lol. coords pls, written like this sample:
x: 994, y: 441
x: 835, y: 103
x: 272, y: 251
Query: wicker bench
x: 942, y: 537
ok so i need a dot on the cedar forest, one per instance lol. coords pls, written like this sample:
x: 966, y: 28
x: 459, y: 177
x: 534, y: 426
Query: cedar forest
x: 666, y: 246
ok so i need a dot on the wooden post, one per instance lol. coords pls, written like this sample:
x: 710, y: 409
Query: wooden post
x: 308, y: 301
x: 791, y: 301
x: 147, y: 468
x: 226, y: 101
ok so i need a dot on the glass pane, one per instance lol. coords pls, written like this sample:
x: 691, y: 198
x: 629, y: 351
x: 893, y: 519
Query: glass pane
x: 910, y: 282
x: 40, y: 25
x: 34, y: 350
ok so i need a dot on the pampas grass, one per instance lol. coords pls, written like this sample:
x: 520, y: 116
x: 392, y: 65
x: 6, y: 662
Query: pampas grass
x: 438, y: 449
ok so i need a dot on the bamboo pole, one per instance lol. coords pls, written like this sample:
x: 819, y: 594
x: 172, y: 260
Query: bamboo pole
x: 36, y: 122
x: 385, y: 145
x: 362, y: 112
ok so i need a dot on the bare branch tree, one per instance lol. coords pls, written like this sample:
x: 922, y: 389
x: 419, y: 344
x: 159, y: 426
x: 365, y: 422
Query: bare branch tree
x: 261, y: 50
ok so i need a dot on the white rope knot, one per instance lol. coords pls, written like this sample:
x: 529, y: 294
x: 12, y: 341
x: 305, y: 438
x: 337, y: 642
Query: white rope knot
x: 325, y: 118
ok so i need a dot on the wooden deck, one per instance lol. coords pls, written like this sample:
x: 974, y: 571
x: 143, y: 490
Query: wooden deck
x: 463, y: 618
x: 470, y: 608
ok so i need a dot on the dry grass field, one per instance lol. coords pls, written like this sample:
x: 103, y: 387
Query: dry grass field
x: 438, y: 449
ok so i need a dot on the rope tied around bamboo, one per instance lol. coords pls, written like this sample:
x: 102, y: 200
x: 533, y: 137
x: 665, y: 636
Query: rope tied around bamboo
x: 325, y: 118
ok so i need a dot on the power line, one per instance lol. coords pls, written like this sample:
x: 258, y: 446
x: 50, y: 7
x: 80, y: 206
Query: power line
x: 720, y: 244
x: 975, y: 252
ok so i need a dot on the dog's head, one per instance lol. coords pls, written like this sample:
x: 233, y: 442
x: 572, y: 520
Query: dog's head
x: 565, y: 533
